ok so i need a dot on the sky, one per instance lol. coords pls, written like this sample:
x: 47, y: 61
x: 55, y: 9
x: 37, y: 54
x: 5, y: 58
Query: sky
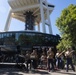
x: 18, y: 25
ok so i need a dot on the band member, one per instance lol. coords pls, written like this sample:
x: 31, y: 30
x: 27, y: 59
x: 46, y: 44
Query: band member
x: 27, y: 58
x: 59, y: 59
x: 50, y: 56
x: 43, y: 60
x: 69, y: 55
x: 33, y: 58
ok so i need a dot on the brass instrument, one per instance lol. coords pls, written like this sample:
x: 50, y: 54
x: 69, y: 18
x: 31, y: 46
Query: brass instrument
x: 50, y: 55
x: 60, y: 53
x: 69, y: 54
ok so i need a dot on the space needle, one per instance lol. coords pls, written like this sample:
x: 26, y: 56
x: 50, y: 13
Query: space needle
x: 32, y: 12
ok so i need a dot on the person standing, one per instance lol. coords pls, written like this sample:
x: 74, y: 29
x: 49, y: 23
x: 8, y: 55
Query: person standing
x: 68, y: 55
x: 33, y: 58
x: 59, y: 60
x: 43, y: 60
x: 27, y: 58
x: 50, y: 56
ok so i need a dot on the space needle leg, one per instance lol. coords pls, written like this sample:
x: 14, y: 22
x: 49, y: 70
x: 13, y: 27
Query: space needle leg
x: 8, y: 21
x: 48, y: 17
x: 42, y: 16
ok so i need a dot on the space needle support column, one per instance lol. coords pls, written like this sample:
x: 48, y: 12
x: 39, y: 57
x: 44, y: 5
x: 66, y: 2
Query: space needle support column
x: 38, y: 27
x: 42, y: 16
x: 8, y: 21
x: 48, y: 17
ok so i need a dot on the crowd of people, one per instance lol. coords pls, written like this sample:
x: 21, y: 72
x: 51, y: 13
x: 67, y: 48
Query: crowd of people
x: 46, y: 59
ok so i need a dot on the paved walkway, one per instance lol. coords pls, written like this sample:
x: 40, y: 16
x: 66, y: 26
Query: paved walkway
x: 14, y: 71
x: 7, y: 69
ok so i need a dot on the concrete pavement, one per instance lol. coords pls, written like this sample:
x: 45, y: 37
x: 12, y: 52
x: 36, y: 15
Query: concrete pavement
x: 11, y: 69
x: 14, y: 71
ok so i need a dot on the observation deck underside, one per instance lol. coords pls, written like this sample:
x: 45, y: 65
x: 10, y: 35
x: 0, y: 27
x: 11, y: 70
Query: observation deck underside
x: 19, y: 7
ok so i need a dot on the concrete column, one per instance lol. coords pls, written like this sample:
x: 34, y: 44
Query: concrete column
x: 38, y: 27
x: 8, y: 21
x: 48, y: 18
x: 42, y: 16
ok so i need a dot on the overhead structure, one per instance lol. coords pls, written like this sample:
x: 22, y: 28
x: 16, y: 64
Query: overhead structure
x: 40, y: 9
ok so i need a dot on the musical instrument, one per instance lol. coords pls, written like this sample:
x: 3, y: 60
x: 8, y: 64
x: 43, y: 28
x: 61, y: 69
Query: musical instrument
x: 69, y: 54
x: 33, y: 56
x: 59, y: 54
x: 50, y: 55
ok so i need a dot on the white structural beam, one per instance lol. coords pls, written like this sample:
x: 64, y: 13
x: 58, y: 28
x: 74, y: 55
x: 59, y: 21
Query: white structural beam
x: 11, y: 0
x: 48, y: 18
x: 20, y: 18
x: 35, y: 11
x: 25, y: 8
x: 39, y: 27
x: 42, y: 16
x: 7, y: 25
x: 49, y: 8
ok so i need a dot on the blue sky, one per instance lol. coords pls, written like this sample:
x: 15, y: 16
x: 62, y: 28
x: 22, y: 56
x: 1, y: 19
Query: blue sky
x: 17, y: 25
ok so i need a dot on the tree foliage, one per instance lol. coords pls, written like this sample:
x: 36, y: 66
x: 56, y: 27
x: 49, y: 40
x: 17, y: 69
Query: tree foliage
x: 67, y: 26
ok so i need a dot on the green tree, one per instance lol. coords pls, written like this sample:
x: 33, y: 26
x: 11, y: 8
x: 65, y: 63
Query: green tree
x: 66, y: 23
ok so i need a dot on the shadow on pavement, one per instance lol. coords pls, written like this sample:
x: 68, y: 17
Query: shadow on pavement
x: 6, y: 71
x: 42, y: 72
x: 14, y: 71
